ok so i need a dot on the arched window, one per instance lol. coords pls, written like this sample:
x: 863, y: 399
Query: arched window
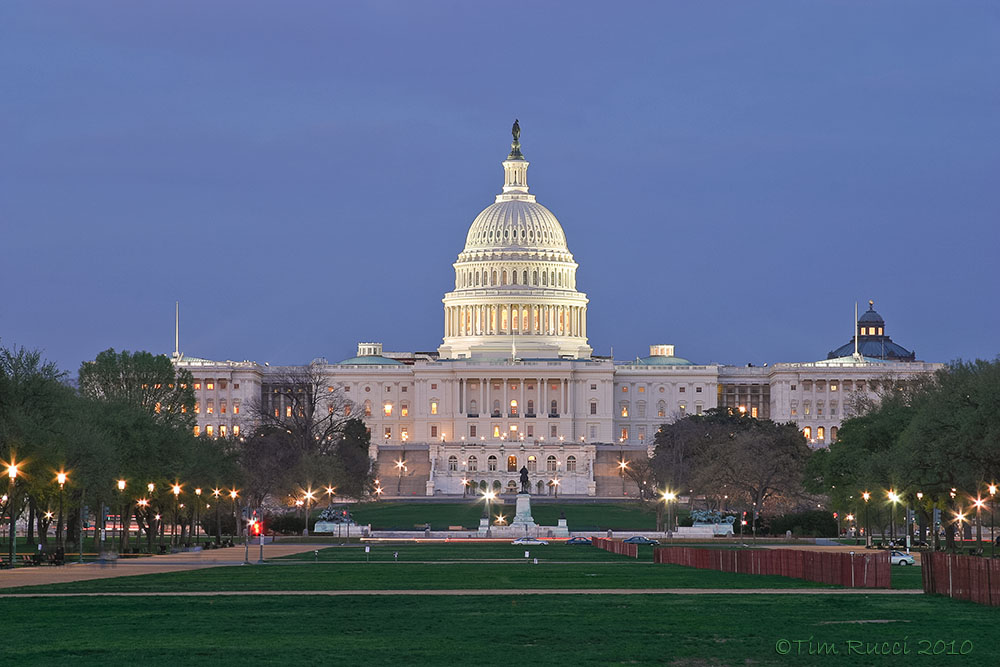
x: 511, y: 486
x: 531, y: 407
x: 661, y: 409
x: 524, y: 277
x: 483, y: 485
x: 534, y: 278
x: 473, y: 407
x: 496, y: 430
x: 550, y: 464
x: 545, y: 279
x: 513, y: 408
x: 511, y: 464
x: 833, y: 434
x: 387, y: 409
x: 434, y: 406
x: 532, y: 463
x: 513, y: 277
x: 368, y: 408
x: 503, y: 277
x: 473, y: 464
x: 554, y: 407
x: 570, y: 464
x: 807, y: 432
x: 820, y: 433
x: 496, y: 407
x: 477, y: 279
x: 452, y: 463
x: 494, y: 280
x: 540, y: 488
x: 624, y: 410
x: 491, y: 463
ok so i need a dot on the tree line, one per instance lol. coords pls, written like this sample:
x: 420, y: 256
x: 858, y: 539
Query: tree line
x: 123, y: 439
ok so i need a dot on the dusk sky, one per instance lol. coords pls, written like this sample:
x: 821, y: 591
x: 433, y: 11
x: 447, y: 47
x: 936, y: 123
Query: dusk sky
x: 731, y: 177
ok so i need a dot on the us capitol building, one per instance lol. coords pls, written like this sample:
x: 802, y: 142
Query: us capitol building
x: 514, y: 382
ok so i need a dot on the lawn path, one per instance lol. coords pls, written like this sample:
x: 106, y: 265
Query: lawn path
x: 127, y: 567
x: 494, y: 591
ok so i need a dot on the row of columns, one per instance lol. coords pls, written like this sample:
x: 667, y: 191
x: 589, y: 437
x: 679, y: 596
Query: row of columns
x: 487, y: 320
x: 484, y: 396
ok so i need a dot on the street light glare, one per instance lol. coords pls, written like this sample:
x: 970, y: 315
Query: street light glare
x: 61, y: 478
x: 121, y: 485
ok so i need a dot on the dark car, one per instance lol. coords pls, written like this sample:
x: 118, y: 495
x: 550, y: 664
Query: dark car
x: 579, y: 540
x: 639, y: 539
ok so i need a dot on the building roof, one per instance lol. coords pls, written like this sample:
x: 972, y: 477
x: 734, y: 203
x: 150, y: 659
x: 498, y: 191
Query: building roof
x: 370, y: 360
x: 876, y: 347
x: 661, y: 360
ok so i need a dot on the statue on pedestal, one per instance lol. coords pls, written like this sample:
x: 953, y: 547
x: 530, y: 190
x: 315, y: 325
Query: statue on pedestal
x: 525, y: 484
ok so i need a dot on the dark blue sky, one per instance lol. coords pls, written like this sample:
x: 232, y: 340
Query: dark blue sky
x: 731, y: 177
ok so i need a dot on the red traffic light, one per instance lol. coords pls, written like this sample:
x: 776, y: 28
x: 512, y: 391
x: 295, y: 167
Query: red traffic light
x: 256, y: 527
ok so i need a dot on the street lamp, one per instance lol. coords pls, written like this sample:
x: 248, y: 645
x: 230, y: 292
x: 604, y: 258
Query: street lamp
x: 218, y: 516
x: 622, y: 465
x: 893, y: 499
x: 868, y: 531
x: 309, y: 495
x: 555, y: 487
x: 176, y: 490
x: 121, y: 519
x: 61, y: 478
x: 400, y: 468
x: 197, y: 526
x: 489, y: 495
x: 959, y: 517
x: 669, y: 497
x: 233, y: 495
x: 978, y: 502
x: 12, y: 470
x: 993, y: 492
x: 143, y: 503
x: 331, y: 491
x: 465, y: 486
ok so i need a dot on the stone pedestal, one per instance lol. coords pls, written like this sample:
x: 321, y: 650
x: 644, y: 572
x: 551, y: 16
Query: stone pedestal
x: 522, y: 516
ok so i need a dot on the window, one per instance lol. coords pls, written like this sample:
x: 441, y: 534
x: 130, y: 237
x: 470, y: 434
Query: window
x: 511, y: 464
x: 491, y: 463
x: 554, y: 408
x: 368, y: 408
x: 697, y: 409
x: 452, y: 463
x: 641, y: 409
x: 473, y: 407
x: 833, y: 434
x: 236, y: 431
x: 472, y: 431
x: 387, y: 409
x: 820, y: 433
x: 624, y: 433
x: 388, y: 389
x: 473, y: 464
x: 222, y: 407
x: 236, y: 407
x: 368, y: 389
x: 210, y: 386
x: 197, y: 386
x: 550, y: 464
x: 496, y: 430
x: 753, y: 412
x: 197, y: 408
x: 697, y: 390
x: 624, y: 390
x: 222, y: 430
x: 434, y: 385
x: 833, y: 386
x: 806, y: 409
x: 642, y: 433
x: 682, y: 389
x: 661, y: 390
x: 236, y: 385
x: 404, y: 409
x: 661, y: 409
x: 403, y: 389
x: 624, y: 410
x: 593, y: 407
x: 209, y: 408
x: 529, y: 431
x: 571, y: 464
x: 532, y: 464
x: 434, y: 407
x: 288, y: 411
x: 347, y: 410
x: 513, y: 408
x: 793, y: 387
x: 554, y: 431
x: 388, y: 432
x: 434, y: 430
x: 682, y: 409
x: 197, y: 431
x: 496, y: 408
x: 593, y: 432
x: 807, y: 432
x: 593, y: 387
x: 531, y: 408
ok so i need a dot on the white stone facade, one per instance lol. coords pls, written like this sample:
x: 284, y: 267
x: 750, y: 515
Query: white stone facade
x: 515, y: 384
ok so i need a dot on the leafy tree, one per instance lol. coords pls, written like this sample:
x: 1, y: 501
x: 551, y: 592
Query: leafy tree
x: 355, y: 468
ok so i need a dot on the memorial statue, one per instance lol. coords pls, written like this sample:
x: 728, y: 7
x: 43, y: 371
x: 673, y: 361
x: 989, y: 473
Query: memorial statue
x: 516, y: 131
x: 525, y: 484
x: 515, y: 146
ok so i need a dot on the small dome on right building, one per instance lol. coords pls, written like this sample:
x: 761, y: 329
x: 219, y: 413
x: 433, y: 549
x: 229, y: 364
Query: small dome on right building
x: 873, y: 342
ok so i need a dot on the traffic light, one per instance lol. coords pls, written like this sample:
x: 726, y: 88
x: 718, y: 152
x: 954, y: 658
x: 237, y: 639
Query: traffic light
x: 256, y: 527
x: 834, y: 515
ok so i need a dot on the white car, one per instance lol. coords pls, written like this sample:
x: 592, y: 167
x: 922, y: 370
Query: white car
x: 899, y: 558
x: 528, y: 541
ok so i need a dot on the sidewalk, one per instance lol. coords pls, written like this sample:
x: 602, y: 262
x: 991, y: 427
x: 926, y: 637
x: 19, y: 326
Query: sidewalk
x: 128, y: 567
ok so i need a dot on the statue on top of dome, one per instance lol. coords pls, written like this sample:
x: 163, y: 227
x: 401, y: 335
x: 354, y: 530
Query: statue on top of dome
x: 516, y: 131
x: 515, y: 146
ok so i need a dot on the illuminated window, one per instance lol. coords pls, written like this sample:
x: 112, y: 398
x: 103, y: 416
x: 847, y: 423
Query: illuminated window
x: 642, y: 390
x: 197, y: 408
x: 209, y: 408
x: 624, y: 390
x: 236, y: 431
x: 532, y: 464
x: 624, y: 410
x: 807, y: 432
x: 184, y: 408
x: 329, y: 390
x: 496, y: 431
x: 880, y: 331
x: 288, y: 411
x: 156, y: 408
x: 222, y: 407
x: 222, y: 430
x: 624, y: 433
x: 368, y: 408
x: 833, y: 386
x: 661, y: 409
x: 197, y: 385
x: 753, y: 412
x: 404, y: 410
x: 197, y: 431
x: 473, y: 464
x: 404, y: 433
x: 570, y: 464
x: 387, y: 409
x: 682, y: 409
x: 434, y: 407
x: 550, y: 464
x: 820, y: 433
x: 210, y: 386
x: 453, y: 463
x: 209, y: 430
x: 236, y: 407
x: 388, y: 432
x: 511, y: 464
x: 513, y: 408
x: 491, y: 463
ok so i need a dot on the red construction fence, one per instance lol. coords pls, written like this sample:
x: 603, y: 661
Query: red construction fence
x: 964, y: 577
x: 860, y: 570
x: 616, y: 546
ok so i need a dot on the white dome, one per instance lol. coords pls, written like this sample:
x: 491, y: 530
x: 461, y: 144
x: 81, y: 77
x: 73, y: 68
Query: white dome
x: 516, y: 222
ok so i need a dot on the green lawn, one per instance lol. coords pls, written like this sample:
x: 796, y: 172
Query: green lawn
x: 406, y: 516
x: 485, y: 630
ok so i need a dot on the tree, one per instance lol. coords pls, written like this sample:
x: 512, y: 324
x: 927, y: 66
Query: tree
x: 355, y: 468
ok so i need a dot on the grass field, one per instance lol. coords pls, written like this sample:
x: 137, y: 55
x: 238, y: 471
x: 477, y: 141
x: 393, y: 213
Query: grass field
x: 490, y: 630
x: 407, y: 516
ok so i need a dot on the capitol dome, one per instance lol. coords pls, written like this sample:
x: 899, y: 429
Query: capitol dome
x: 515, y: 280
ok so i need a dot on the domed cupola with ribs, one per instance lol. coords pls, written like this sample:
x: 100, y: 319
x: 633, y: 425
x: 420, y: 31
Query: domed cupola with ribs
x: 872, y: 341
x: 515, y: 282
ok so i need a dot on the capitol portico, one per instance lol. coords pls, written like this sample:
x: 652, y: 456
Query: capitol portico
x: 514, y: 382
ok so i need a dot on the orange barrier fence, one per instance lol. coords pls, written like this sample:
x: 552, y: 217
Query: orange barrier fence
x: 863, y: 570
x: 964, y: 577
x: 616, y: 546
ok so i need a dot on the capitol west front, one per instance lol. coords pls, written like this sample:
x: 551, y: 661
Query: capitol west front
x: 514, y: 382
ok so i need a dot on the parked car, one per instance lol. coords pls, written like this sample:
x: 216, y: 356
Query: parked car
x: 899, y: 558
x: 579, y: 540
x: 639, y: 539
x: 525, y: 541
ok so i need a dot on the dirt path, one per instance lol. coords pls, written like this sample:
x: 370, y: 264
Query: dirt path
x: 190, y: 560
x: 500, y: 591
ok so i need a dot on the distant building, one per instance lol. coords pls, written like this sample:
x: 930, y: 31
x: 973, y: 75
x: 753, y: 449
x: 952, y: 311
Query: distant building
x: 514, y: 382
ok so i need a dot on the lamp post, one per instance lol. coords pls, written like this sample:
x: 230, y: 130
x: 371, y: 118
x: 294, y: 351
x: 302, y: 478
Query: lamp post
x: 121, y: 518
x: 669, y: 497
x: 993, y: 542
x: 233, y: 495
x: 555, y: 487
x: 400, y: 468
x: 868, y: 532
x: 61, y: 478
x: 978, y: 502
x: 12, y: 476
x: 218, y: 516
x: 622, y: 465
x: 489, y: 495
x: 197, y: 526
x: 465, y: 486
x: 893, y: 499
x: 309, y: 495
x: 331, y: 491
x: 143, y: 503
x: 176, y: 490
x: 959, y: 517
